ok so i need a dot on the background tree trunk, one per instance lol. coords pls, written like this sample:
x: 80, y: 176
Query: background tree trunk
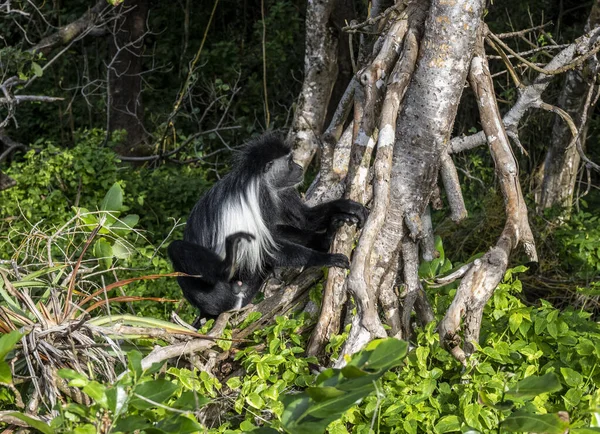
x: 561, y: 165
x: 125, y: 106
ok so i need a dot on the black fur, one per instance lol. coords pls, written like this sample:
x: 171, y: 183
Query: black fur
x: 258, y: 198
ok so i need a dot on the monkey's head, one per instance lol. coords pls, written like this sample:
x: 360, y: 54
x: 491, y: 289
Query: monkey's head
x: 271, y: 159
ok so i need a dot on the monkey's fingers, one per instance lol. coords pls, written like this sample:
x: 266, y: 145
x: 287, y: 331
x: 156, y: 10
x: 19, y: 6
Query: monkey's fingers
x: 340, y: 261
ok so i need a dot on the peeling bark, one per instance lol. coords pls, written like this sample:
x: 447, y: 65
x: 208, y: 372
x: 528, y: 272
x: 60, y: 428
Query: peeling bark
x: 368, y: 96
x: 320, y: 73
x: 424, y: 126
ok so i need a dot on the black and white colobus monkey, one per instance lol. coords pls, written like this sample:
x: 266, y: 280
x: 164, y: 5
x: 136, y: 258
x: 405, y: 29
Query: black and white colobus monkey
x: 252, y: 221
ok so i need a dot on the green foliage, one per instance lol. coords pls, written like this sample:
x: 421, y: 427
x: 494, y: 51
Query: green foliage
x: 336, y: 390
x: 53, y: 182
x: 138, y: 400
x: 526, y: 351
x: 579, y: 242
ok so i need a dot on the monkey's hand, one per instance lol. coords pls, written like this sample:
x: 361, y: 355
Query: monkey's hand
x: 350, y: 212
x: 339, y: 260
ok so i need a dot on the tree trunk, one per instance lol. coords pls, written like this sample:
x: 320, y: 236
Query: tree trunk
x: 560, y: 167
x: 320, y: 73
x: 125, y: 107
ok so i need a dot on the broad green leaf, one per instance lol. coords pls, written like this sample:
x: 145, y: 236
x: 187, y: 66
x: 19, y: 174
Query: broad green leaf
x: 532, y: 386
x: 262, y: 370
x: 179, y: 424
x: 529, y: 422
x: 8, y: 342
x: 37, y: 69
x: 323, y: 393
x: 134, y: 423
x: 88, y: 428
x: 121, y: 250
x: 190, y: 401
x: 572, y: 377
x: 97, y: 392
x: 255, y: 401
x: 156, y: 391
x: 572, y: 398
x: 389, y: 353
x: 134, y: 363
x: 116, y: 399
x: 125, y: 224
x: 234, y: 382
x: 350, y: 371
x: 113, y: 201
x: 471, y: 414
x: 33, y: 423
x: 584, y: 430
x: 76, y: 379
x: 103, y: 251
x: 5, y: 374
x: 446, y: 424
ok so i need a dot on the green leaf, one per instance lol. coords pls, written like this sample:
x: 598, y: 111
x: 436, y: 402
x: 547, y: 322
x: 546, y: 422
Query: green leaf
x: 157, y: 391
x: 471, y: 414
x: 116, y: 399
x: 104, y: 252
x: 584, y: 430
x: 8, y: 342
x: 125, y: 224
x: 179, y: 424
x: 113, y: 201
x: 529, y: 422
x: 134, y: 423
x: 37, y: 69
x: 262, y: 370
x: 514, y: 321
x: 97, y: 392
x: 255, y: 401
x: 76, y: 379
x: 5, y: 374
x: 446, y: 424
x: 190, y: 401
x: 121, y: 250
x: 572, y: 378
x: 323, y: 393
x: 572, y: 398
x: 134, y: 362
x: 234, y: 382
x: 33, y: 423
x: 388, y: 353
x: 88, y: 428
x: 532, y: 386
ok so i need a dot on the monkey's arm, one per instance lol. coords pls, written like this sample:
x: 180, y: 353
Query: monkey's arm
x: 294, y: 255
x: 320, y: 218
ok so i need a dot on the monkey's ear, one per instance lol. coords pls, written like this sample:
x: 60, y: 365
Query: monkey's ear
x: 268, y: 166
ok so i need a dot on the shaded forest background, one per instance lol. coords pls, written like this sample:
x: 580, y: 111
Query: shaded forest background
x: 210, y: 76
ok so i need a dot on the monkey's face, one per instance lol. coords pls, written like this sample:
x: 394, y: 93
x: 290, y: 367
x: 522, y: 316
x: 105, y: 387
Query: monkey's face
x: 283, y: 172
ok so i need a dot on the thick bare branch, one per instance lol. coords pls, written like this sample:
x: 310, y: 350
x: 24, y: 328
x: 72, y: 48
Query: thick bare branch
x: 483, y: 276
x: 530, y: 95
x: 68, y: 33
